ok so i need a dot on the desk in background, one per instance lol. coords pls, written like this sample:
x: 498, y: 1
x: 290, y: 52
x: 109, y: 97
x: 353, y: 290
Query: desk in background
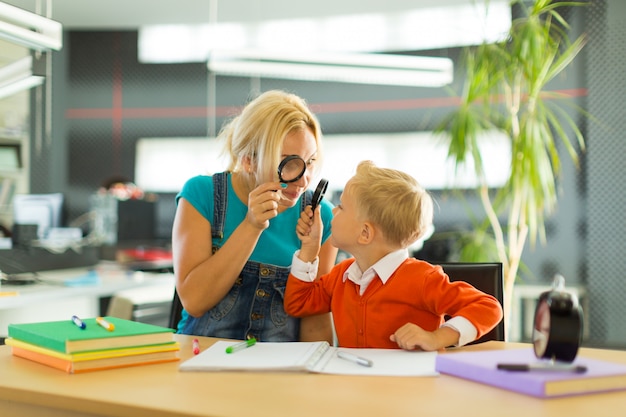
x: 23, y: 259
x: 30, y: 389
x: 52, y: 300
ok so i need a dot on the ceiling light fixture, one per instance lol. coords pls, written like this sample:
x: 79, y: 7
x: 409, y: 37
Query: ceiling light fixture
x: 29, y: 29
x: 21, y: 75
x: 405, y: 26
x: 360, y: 68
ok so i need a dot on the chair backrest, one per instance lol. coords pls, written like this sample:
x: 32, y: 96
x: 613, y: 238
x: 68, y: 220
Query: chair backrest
x: 176, y: 311
x: 486, y: 277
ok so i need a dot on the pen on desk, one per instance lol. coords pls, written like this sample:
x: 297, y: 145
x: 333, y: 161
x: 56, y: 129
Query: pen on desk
x: 79, y: 322
x: 550, y: 367
x: 102, y: 322
x: 242, y: 345
x: 354, y: 358
x: 195, y: 345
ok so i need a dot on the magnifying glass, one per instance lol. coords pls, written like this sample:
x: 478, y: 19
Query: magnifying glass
x: 319, y: 193
x: 291, y: 169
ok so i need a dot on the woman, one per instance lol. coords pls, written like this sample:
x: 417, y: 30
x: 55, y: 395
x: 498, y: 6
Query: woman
x: 234, y: 233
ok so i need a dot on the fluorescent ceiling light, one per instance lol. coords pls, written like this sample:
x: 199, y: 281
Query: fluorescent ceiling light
x: 29, y: 29
x: 19, y: 76
x: 384, y: 69
x: 21, y: 85
x: 413, y: 29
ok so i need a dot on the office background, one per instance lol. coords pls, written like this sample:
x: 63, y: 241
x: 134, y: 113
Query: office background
x: 104, y: 101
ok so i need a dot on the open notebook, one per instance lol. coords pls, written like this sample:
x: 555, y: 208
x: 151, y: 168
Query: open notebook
x: 318, y: 357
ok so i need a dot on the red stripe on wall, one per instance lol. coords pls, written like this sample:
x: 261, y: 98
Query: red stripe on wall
x: 149, y: 113
x: 117, y: 112
x: 365, y: 106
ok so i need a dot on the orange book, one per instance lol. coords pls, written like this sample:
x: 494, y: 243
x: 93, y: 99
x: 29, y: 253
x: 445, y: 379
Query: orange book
x: 75, y: 367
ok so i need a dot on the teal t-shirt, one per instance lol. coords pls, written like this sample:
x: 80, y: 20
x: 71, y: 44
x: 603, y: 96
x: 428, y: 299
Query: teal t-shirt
x: 276, y: 244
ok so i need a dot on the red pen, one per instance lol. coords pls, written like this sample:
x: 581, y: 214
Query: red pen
x: 196, y: 346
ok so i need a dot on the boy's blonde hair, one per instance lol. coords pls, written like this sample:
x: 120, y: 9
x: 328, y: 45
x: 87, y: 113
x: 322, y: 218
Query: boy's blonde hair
x: 259, y: 131
x: 393, y: 200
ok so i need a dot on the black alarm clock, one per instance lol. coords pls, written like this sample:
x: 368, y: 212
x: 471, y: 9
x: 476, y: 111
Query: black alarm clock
x: 557, y: 328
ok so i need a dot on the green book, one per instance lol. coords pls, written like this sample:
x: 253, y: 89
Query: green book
x: 67, y: 337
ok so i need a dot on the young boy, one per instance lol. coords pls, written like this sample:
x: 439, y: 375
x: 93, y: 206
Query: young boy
x: 382, y: 298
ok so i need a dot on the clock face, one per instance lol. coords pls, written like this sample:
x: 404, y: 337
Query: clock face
x: 557, y: 327
x: 541, y: 329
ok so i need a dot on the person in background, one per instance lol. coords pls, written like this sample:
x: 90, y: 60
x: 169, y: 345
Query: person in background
x: 381, y: 298
x: 233, y: 234
x: 121, y: 188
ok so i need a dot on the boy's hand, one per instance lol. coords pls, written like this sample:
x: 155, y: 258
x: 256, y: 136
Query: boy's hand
x: 309, y: 230
x: 412, y: 337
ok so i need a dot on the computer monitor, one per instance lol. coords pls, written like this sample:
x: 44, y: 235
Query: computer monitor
x: 43, y: 210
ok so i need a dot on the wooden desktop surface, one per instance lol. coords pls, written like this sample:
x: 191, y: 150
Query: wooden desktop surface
x: 30, y: 389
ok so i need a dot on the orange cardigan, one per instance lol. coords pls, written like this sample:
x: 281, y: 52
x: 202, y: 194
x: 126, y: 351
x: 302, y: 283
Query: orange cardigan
x: 417, y: 292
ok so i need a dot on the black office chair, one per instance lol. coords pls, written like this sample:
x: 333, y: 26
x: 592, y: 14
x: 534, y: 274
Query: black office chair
x: 176, y: 311
x: 486, y: 277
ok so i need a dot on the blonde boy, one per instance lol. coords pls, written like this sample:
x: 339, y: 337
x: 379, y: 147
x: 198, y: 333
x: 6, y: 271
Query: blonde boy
x: 382, y: 298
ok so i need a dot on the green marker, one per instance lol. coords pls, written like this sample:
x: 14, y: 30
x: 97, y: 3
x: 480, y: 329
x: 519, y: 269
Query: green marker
x: 241, y: 345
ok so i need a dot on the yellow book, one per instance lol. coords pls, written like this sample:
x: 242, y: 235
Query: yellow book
x: 94, y: 354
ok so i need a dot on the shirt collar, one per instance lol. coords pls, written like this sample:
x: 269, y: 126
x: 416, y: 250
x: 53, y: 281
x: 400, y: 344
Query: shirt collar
x: 384, y: 268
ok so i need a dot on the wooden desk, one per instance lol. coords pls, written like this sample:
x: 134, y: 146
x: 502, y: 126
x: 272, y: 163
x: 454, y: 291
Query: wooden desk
x: 30, y: 389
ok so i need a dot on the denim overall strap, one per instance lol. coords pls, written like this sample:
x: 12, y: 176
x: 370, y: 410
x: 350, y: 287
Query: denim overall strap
x: 253, y: 306
x: 220, y: 201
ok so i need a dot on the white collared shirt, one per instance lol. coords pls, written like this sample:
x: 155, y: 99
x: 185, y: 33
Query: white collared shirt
x: 384, y: 268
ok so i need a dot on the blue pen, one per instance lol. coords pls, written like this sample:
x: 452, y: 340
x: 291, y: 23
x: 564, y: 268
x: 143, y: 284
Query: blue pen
x: 78, y: 322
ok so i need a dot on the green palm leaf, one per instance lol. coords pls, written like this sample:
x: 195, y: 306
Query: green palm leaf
x: 505, y: 89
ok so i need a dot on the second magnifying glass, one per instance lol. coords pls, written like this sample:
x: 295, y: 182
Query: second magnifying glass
x: 319, y: 193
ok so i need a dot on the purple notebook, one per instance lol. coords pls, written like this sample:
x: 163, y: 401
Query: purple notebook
x: 481, y: 367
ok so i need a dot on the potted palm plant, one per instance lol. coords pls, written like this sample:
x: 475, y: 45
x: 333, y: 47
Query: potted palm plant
x: 505, y: 89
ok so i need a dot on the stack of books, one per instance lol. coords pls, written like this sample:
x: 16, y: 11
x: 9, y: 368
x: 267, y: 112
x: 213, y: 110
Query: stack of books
x: 93, y: 344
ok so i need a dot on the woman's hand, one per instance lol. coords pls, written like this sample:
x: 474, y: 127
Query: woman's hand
x: 263, y: 204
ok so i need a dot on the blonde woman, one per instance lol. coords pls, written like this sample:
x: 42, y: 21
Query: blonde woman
x: 233, y: 235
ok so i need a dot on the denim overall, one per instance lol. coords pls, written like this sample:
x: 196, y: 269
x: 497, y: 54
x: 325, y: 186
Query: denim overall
x: 254, y: 305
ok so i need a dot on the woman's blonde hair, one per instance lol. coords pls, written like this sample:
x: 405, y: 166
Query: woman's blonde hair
x: 257, y: 134
x: 393, y: 200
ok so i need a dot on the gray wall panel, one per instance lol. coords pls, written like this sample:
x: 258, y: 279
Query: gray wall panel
x: 606, y: 217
